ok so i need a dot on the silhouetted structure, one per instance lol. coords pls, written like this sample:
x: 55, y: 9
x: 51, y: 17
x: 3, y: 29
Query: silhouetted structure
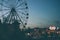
x: 13, y: 19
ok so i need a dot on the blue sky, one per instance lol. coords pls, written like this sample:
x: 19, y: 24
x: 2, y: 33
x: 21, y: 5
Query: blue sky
x: 43, y: 12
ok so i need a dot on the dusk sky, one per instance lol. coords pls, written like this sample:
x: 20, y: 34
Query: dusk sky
x: 43, y: 13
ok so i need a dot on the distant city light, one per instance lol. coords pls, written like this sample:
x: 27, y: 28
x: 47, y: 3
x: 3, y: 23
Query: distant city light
x: 28, y: 33
x: 52, y: 27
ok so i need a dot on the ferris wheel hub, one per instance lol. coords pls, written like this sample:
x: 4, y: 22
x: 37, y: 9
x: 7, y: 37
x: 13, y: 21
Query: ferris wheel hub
x: 13, y: 10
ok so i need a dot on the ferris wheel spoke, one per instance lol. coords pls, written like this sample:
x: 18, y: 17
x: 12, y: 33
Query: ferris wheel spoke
x: 4, y: 5
x: 17, y: 2
x: 25, y: 22
x: 22, y: 8
x: 20, y: 19
x: 6, y: 2
x: 21, y: 16
x: 22, y: 11
x: 4, y: 9
x: 19, y: 5
x: 9, y: 17
x: 24, y: 19
x: 26, y: 14
x: 5, y: 14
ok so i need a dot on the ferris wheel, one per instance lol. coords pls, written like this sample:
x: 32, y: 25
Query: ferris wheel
x: 12, y: 10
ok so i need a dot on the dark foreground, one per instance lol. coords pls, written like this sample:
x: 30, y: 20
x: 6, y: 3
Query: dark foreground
x: 13, y: 32
x: 22, y: 35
